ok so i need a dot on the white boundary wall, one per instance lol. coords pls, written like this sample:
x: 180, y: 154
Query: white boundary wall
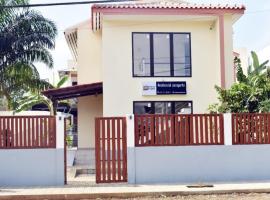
x: 197, y: 164
x: 34, y: 167
x: 200, y: 164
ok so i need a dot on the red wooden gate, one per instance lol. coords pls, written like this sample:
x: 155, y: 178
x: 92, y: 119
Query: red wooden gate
x: 111, y: 150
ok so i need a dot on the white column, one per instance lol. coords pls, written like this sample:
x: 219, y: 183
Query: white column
x: 227, y: 128
x: 60, y: 119
x: 131, y: 154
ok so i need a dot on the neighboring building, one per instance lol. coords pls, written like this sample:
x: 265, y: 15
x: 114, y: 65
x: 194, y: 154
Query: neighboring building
x: 126, y: 48
x: 71, y: 72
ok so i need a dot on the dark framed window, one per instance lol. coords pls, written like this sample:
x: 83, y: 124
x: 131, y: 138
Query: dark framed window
x: 161, y: 54
x: 162, y: 107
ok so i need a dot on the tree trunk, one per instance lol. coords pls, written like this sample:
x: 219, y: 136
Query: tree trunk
x: 54, y: 107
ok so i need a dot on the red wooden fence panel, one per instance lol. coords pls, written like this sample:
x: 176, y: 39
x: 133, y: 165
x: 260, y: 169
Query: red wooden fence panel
x: 111, y: 149
x: 251, y: 128
x: 177, y: 130
x: 27, y: 132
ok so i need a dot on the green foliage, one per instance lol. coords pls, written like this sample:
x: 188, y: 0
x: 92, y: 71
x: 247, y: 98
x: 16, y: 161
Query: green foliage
x: 250, y: 94
x: 62, y: 81
x: 25, y: 38
x: 35, y: 97
x: 69, y: 140
x: 256, y: 68
x: 241, y: 77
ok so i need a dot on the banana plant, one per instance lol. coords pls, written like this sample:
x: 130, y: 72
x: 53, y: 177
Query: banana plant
x: 256, y: 67
x: 35, y: 98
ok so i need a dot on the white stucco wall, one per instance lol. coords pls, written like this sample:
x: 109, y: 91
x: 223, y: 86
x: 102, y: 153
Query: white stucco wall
x: 89, y: 55
x: 89, y: 71
x: 202, y: 164
x: 88, y: 109
x: 228, y: 47
x: 117, y: 62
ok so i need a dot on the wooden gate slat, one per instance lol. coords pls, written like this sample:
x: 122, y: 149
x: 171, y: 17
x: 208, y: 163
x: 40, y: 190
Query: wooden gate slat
x: 201, y: 129
x: 124, y: 142
x: 108, y: 149
x: 211, y: 129
x: 206, y: 129
x: 113, y: 152
x: 8, y: 133
x: 177, y: 136
x: 146, y: 130
x: 167, y: 130
x: 97, y: 152
x: 103, y: 152
x: 157, y: 130
x: 152, y: 130
x: 118, y: 150
x: 265, y: 129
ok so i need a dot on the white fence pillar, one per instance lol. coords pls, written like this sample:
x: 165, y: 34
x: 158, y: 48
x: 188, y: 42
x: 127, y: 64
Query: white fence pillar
x: 60, y: 119
x: 227, y: 128
x: 131, y: 168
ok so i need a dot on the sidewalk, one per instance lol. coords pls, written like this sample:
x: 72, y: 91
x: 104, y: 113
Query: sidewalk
x: 127, y: 191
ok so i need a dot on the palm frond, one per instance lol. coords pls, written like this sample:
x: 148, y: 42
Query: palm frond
x: 62, y: 81
x: 255, y: 60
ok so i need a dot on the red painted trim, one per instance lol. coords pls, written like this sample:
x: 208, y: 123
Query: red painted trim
x: 167, y: 11
x: 164, y: 11
x: 222, y: 50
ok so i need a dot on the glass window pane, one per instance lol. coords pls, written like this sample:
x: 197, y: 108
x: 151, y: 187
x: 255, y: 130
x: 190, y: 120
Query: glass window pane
x: 183, y: 107
x: 141, y: 108
x: 162, y: 55
x: 163, y: 108
x: 141, y: 54
x: 182, y: 61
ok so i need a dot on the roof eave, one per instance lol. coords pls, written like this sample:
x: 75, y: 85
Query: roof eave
x: 168, y: 11
x: 96, y: 12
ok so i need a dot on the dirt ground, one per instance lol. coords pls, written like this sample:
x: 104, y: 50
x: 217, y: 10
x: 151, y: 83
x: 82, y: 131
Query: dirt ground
x: 262, y: 196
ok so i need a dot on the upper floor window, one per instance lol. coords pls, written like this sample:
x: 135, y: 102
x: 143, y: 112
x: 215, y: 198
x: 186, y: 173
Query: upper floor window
x: 161, y: 55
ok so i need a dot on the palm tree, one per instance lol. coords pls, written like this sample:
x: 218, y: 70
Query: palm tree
x: 35, y: 98
x: 25, y: 38
x: 18, y: 80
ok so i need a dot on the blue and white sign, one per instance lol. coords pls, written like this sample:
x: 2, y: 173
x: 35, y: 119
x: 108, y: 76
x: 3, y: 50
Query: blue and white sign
x: 176, y: 87
x: 164, y: 88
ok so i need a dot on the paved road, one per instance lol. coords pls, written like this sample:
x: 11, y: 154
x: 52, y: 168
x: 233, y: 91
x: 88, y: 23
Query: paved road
x: 213, y: 197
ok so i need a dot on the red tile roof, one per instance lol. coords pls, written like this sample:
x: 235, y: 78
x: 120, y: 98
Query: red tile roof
x: 174, y: 4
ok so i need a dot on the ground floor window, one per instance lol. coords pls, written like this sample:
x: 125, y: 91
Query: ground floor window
x: 162, y: 107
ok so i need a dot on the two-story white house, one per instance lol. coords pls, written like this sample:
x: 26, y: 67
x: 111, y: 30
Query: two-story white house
x: 162, y: 56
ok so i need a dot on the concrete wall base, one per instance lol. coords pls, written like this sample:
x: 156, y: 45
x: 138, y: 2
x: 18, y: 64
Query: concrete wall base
x: 200, y: 164
x: 32, y: 167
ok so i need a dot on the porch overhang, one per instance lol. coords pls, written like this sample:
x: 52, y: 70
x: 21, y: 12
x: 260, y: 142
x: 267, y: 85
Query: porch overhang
x: 74, y: 91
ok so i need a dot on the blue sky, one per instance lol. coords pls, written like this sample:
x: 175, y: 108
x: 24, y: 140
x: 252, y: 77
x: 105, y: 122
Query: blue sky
x: 251, y: 31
